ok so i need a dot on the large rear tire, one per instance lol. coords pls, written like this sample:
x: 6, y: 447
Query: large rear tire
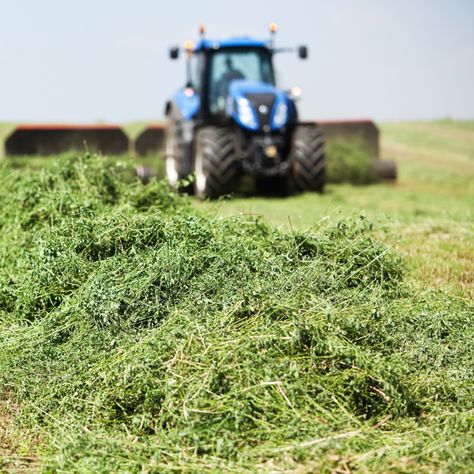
x: 177, y: 157
x: 215, y: 163
x: 307, y: 159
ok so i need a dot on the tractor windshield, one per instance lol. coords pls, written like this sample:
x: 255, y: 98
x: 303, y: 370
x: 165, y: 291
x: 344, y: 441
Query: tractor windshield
x: 229, y: 65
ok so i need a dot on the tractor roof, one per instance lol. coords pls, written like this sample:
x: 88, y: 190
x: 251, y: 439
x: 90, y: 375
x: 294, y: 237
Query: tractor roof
x: 243, y: 42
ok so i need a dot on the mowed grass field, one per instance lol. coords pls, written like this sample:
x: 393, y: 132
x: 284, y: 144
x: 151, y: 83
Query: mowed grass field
x: 146, y: 333
x: 427, y: 215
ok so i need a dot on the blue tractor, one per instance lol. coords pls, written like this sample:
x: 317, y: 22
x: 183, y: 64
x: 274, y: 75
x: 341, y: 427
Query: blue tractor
x: 230, y: 119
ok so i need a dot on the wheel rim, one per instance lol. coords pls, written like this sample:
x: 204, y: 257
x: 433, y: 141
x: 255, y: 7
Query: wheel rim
x: 171, y: 170
x: 199, y: 171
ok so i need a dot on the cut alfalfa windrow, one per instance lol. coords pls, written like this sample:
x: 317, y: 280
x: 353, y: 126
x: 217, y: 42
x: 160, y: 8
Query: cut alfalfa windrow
x: 142, y: 334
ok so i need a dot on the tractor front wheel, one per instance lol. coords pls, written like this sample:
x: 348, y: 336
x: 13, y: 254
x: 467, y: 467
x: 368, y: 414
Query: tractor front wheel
x: 307, y: 159
x: 215, y: 162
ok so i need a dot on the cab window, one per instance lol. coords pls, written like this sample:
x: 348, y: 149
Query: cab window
x: 228, y: 66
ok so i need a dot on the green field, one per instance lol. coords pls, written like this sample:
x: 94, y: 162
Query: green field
x: 428, y: 213
x: 144, y: 332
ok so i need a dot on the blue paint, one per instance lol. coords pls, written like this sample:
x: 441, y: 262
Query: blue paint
x: 188, y: 105
x: 281, y: 100
x: 240, y: 87
x: 238, y: 107
x: 242, y: 42
x: 237, y: 92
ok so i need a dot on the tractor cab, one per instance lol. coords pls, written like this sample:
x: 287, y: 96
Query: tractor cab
x: 219, y: 65
x: 232, y: 98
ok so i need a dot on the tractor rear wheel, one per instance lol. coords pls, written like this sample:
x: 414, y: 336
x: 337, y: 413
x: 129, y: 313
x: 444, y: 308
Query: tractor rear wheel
x: 177, y: 157
x: 307, y: 159
x: 215, y: 162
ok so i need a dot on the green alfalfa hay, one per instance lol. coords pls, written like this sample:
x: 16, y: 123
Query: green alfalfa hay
x: 141, y: 333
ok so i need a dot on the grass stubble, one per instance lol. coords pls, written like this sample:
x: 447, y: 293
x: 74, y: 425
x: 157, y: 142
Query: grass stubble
x: 140, y: 333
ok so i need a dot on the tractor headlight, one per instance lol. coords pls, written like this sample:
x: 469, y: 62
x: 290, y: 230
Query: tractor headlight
x: 280, y: 116
x: 246, y: 114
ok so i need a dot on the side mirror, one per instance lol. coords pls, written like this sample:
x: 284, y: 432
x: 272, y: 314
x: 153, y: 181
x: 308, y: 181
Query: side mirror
x: 174, y: 52
x: 303, y: 52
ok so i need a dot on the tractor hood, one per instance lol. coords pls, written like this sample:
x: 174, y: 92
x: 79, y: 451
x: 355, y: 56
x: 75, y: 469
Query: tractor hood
x: 258, y: 106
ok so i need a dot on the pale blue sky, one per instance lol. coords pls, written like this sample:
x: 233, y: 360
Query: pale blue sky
x: 92, y: 60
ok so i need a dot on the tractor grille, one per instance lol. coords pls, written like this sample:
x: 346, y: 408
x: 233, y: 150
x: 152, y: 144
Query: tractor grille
x: 265, y: 100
